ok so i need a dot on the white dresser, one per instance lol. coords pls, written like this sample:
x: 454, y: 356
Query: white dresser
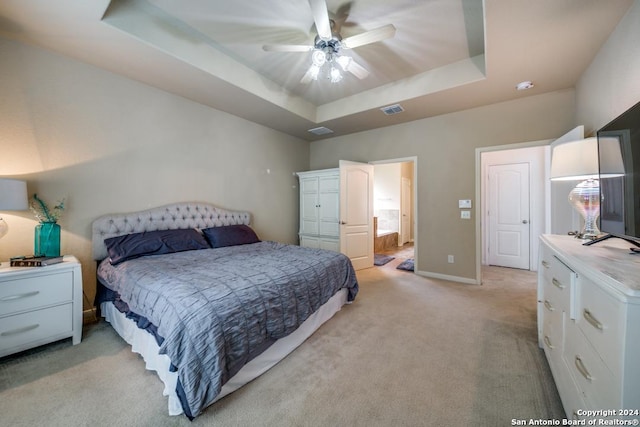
x: 39, y: 305
x: 320, y: 209
x: 589, y: 323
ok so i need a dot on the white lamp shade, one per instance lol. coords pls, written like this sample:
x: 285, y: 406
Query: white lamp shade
x: 13, y: 195
x: 578, y: 160
x: 575, y: 160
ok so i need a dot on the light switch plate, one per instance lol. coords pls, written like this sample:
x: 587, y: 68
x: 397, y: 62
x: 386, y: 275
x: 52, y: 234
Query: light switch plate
x: 464, y: 204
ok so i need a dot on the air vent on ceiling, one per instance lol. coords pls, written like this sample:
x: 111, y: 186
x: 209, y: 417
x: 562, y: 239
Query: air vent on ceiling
x: 320, y: 130
x: 392, y: 109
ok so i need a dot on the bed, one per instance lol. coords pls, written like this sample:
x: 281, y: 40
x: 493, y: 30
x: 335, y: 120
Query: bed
x: 208, y: 305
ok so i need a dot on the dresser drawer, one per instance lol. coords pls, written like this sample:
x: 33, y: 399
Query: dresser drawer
x: 594, y: 380
x: 560, y: 285
x: 29, y: 293
x: 601, y: 319
x: 552, y: 330
x: 38, y: 326
x: 545, y: 262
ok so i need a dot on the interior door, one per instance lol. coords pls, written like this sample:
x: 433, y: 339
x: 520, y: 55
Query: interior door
x: 356, y: 213
x: 405, y: 200
x: 509, y: 226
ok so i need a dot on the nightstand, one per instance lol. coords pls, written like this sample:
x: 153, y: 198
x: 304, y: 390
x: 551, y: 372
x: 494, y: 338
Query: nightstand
x: 39, y: 305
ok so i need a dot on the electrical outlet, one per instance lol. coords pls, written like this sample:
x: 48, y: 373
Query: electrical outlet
x: 450, y: 259
x: 465, y: 214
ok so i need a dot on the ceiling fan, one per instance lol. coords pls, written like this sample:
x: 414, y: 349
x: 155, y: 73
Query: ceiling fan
x: 328, y: 45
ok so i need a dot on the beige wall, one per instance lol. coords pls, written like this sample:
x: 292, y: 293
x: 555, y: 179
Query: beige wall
x: 611, y: 83
x: 109, y: 144
x: 445, y: 149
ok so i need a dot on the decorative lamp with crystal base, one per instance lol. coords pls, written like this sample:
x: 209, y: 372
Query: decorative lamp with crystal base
x: 585, y: 198
x: 578, y: 161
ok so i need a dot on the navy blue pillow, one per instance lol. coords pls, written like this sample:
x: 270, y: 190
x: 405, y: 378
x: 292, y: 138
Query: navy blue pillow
x: 158, y: 242
x: 230, y: 235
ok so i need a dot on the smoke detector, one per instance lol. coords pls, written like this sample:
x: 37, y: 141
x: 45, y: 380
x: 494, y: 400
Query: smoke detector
x: 524, y: 85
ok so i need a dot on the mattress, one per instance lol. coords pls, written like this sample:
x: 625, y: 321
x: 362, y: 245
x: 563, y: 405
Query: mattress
x: 144, y: 343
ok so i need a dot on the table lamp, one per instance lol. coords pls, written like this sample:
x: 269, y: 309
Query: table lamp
x: 578, y: 160
x: 13, y: 197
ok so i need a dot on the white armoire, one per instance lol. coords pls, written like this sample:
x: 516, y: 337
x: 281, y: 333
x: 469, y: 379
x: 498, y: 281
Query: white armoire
x: 320, y: 209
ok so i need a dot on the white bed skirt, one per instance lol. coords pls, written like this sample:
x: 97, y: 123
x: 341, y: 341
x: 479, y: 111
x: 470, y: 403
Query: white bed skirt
x: 143, y: 343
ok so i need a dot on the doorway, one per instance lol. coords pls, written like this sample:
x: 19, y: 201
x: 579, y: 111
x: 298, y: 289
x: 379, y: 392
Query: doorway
x: 510, y: 200
x: 395, y: 210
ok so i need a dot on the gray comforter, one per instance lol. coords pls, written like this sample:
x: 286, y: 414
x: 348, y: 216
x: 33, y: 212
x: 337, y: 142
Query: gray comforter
x: 218, y: 308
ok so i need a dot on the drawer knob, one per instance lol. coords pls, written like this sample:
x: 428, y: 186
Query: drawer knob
x: 592, y: 320
x: 547, y: 341
x: 19, y: 296
x: 545, y: 264
x: 583, y: 370
x: 548, y: 305
x: 19, y: 330
x: 557, y: 283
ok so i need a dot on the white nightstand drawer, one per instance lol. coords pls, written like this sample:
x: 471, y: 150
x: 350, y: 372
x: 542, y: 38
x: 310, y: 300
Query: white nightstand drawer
x: 600, y: 318
x: 28, y: 293
x: 39, y: 326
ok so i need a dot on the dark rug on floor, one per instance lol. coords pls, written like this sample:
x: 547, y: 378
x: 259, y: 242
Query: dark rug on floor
x: 379, y: 259
x: 406, y: 265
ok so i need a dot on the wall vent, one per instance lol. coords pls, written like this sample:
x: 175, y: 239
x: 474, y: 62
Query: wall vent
x: 320, y: 130
x: 392, y: 109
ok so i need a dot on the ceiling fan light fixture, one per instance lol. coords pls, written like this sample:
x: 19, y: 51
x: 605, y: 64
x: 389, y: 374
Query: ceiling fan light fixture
x: 344, y: 62
x: 314, y: 71
x: 335, y: 75
x: 318, y: 57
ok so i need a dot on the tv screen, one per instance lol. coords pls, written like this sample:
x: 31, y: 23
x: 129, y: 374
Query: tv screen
x: 619, y: 159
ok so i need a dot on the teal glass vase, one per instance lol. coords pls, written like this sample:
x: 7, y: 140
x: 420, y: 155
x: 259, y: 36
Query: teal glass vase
x: 47, y: 239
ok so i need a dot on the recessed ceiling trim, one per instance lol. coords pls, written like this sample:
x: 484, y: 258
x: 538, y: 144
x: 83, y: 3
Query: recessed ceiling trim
x: 149, y: 24
x: 450, y: 76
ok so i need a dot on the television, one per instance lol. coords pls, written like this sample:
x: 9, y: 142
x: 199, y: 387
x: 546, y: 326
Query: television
x: 620, y: 188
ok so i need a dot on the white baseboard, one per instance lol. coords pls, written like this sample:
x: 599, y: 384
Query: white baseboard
x: 448, y: 277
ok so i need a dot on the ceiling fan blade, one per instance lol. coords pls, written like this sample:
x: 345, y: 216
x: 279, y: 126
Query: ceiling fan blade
x: 341, y: 16
x: 357, y: 70
x: 286, y: 48
x: 321, y: 18
x: 376, y: 35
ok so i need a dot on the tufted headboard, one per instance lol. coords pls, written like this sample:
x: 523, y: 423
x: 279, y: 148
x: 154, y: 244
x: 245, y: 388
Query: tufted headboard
x: 168, y: 217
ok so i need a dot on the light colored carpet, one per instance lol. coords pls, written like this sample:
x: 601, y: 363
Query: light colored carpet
x: 409, y: 351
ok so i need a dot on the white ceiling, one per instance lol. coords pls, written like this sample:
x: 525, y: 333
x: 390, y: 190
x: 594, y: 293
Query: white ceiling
x: 447, y: 55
